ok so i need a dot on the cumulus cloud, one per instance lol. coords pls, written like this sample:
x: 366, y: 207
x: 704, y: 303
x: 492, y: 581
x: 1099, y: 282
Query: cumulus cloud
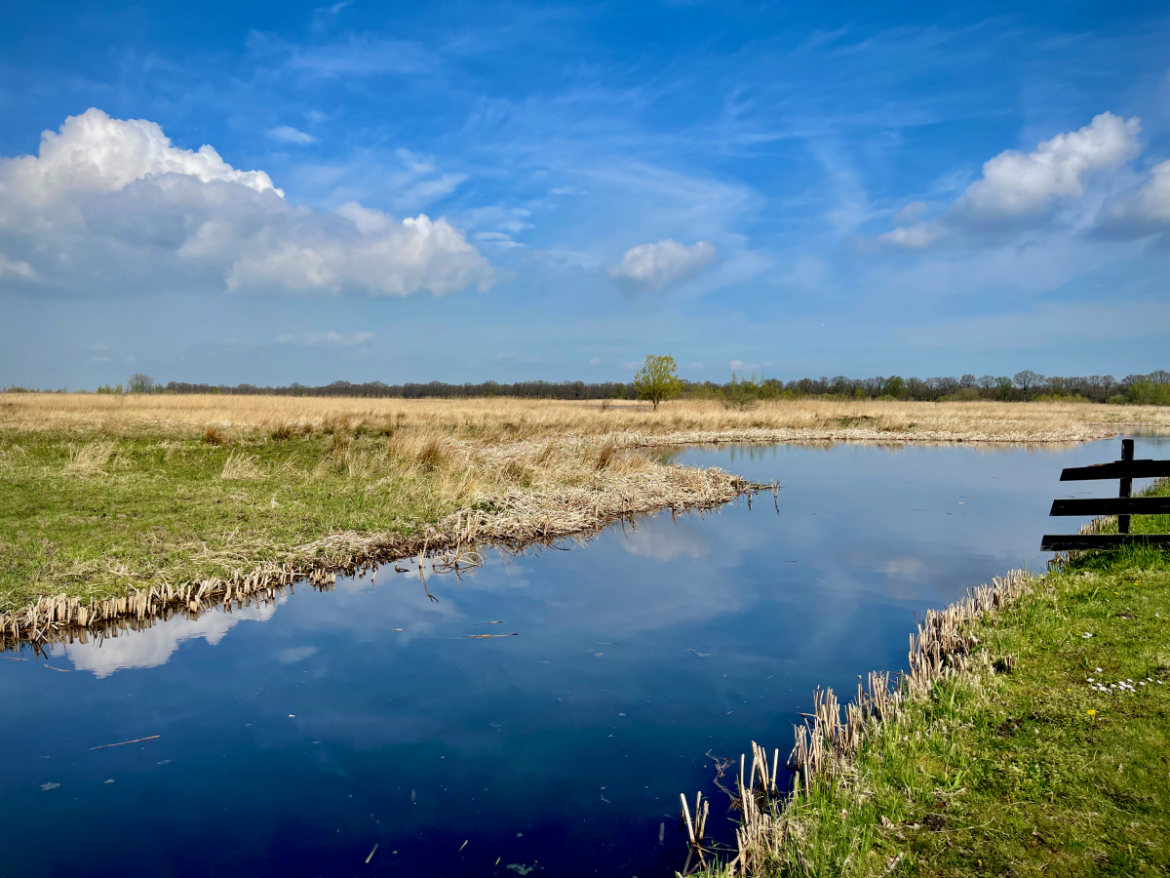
x: 913, y: 237
x: 657, y: 266
x: 1015, y: 184
x: 288, y: 134
x: 1017, y: 187
x: 154, y: 646
x: 111, y: 205
x: 16, y: 269
x: 1140, y: 213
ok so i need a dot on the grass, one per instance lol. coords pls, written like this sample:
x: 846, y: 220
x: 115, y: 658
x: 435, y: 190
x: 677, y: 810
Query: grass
x: 109, y: 493
x: 1028, y: 771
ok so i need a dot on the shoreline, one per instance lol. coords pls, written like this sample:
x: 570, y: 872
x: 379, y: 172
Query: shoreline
x: 573, y: 513
x: 849, y: 757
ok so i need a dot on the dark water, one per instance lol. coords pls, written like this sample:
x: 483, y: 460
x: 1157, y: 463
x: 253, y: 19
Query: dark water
x: 293, y: 738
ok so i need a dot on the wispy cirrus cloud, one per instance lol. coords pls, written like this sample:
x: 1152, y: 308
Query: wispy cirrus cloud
x: 288, y: 134
x: 329, y: 339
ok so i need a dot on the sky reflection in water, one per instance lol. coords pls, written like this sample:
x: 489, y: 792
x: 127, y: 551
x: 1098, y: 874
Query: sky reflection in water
x: 295, y: 737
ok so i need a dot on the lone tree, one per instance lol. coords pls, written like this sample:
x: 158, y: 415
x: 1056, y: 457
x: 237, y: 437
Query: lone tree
x: 140, y: 383
x: 657, y: 380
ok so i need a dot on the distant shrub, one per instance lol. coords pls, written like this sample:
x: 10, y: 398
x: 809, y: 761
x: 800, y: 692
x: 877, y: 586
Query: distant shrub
x: 1145, y: 392
x: 213, y: 436
x: 1056, y: 397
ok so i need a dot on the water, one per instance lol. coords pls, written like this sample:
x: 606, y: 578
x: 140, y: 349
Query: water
x: 294, y: 738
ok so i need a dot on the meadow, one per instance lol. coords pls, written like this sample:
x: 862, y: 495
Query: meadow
x: 109, y: 494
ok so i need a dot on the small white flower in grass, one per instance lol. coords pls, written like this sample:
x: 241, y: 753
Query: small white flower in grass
x: 1087, y: 635
x: 1090, y: 679
x: 1098, y: 670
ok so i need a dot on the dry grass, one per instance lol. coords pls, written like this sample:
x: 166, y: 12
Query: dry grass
x: 177, y: 489
x: 89, y: 459
x: 224, y: 419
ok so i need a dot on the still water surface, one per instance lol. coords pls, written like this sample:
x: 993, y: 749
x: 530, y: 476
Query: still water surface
x: 293, y: 738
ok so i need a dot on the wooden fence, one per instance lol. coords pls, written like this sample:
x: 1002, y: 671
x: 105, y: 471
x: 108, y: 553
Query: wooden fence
x: 1123, y: 506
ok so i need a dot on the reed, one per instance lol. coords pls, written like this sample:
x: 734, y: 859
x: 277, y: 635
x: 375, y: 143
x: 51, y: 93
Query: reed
x: 890, y: 748
x: 219, y: 418
x: 522, y: 519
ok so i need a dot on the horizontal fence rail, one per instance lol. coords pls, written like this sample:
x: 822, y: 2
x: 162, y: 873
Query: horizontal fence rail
x: 1118, y: 469
x: 1112, y: 506
x: 1123, y: 506
x: 1080, y: 542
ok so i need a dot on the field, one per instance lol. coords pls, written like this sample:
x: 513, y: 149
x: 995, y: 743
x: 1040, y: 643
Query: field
x: 106, y: 495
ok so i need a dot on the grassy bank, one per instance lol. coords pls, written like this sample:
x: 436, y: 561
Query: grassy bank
x: 1022, y: 766
x: 105, y: 494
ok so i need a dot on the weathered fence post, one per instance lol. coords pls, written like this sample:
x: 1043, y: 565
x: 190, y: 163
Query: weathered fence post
x: 1125, y: 471
x: 1126, y: 485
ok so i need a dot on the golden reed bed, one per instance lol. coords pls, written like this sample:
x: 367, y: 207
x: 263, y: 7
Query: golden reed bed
x: 494, y: 420
x: 500, y: 471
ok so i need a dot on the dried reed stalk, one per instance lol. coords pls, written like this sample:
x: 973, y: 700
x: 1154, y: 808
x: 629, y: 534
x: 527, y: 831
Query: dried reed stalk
x: 831, y: 736
x: 531, y: 518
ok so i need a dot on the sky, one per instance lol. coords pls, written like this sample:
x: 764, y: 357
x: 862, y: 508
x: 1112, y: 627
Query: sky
x: 281, y: 192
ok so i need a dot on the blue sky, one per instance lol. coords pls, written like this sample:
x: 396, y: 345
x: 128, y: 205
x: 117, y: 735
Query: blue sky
x: 237, y: 192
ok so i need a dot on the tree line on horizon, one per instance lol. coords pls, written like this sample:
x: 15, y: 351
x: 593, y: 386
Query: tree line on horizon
x: 1152, y: 388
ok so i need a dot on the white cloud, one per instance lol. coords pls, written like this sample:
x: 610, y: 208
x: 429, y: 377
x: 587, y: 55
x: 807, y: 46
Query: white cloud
x: 910, y: 213
x: 740, y: 365
x: 656, y: 266
x: 288, y: 134
x: 295, y: 654
x: 328, y: 338
x: 1016, y: 186
x: 18, y: 269
x: 94, y: 153
x: 111, y: 205
x: 595, y: 361
x: 1143, y: 212
x: 914, y: 237
x: 154, y: 646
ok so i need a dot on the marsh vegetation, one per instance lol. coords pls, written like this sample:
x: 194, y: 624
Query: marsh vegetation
x: 106, y: 493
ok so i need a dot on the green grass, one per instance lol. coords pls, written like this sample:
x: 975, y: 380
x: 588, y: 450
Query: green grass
x: 159, y: 509
x: 1028, y: 771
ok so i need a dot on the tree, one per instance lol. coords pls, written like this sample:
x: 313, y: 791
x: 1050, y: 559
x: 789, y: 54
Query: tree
x: 140, y: 383
x: 1028, y: 382
x: 895, y: 387
x: 657, y: 380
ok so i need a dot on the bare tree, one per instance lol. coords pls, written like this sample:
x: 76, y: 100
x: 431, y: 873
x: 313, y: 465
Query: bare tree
x: 1027, y: 381
x: 140, y: 383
